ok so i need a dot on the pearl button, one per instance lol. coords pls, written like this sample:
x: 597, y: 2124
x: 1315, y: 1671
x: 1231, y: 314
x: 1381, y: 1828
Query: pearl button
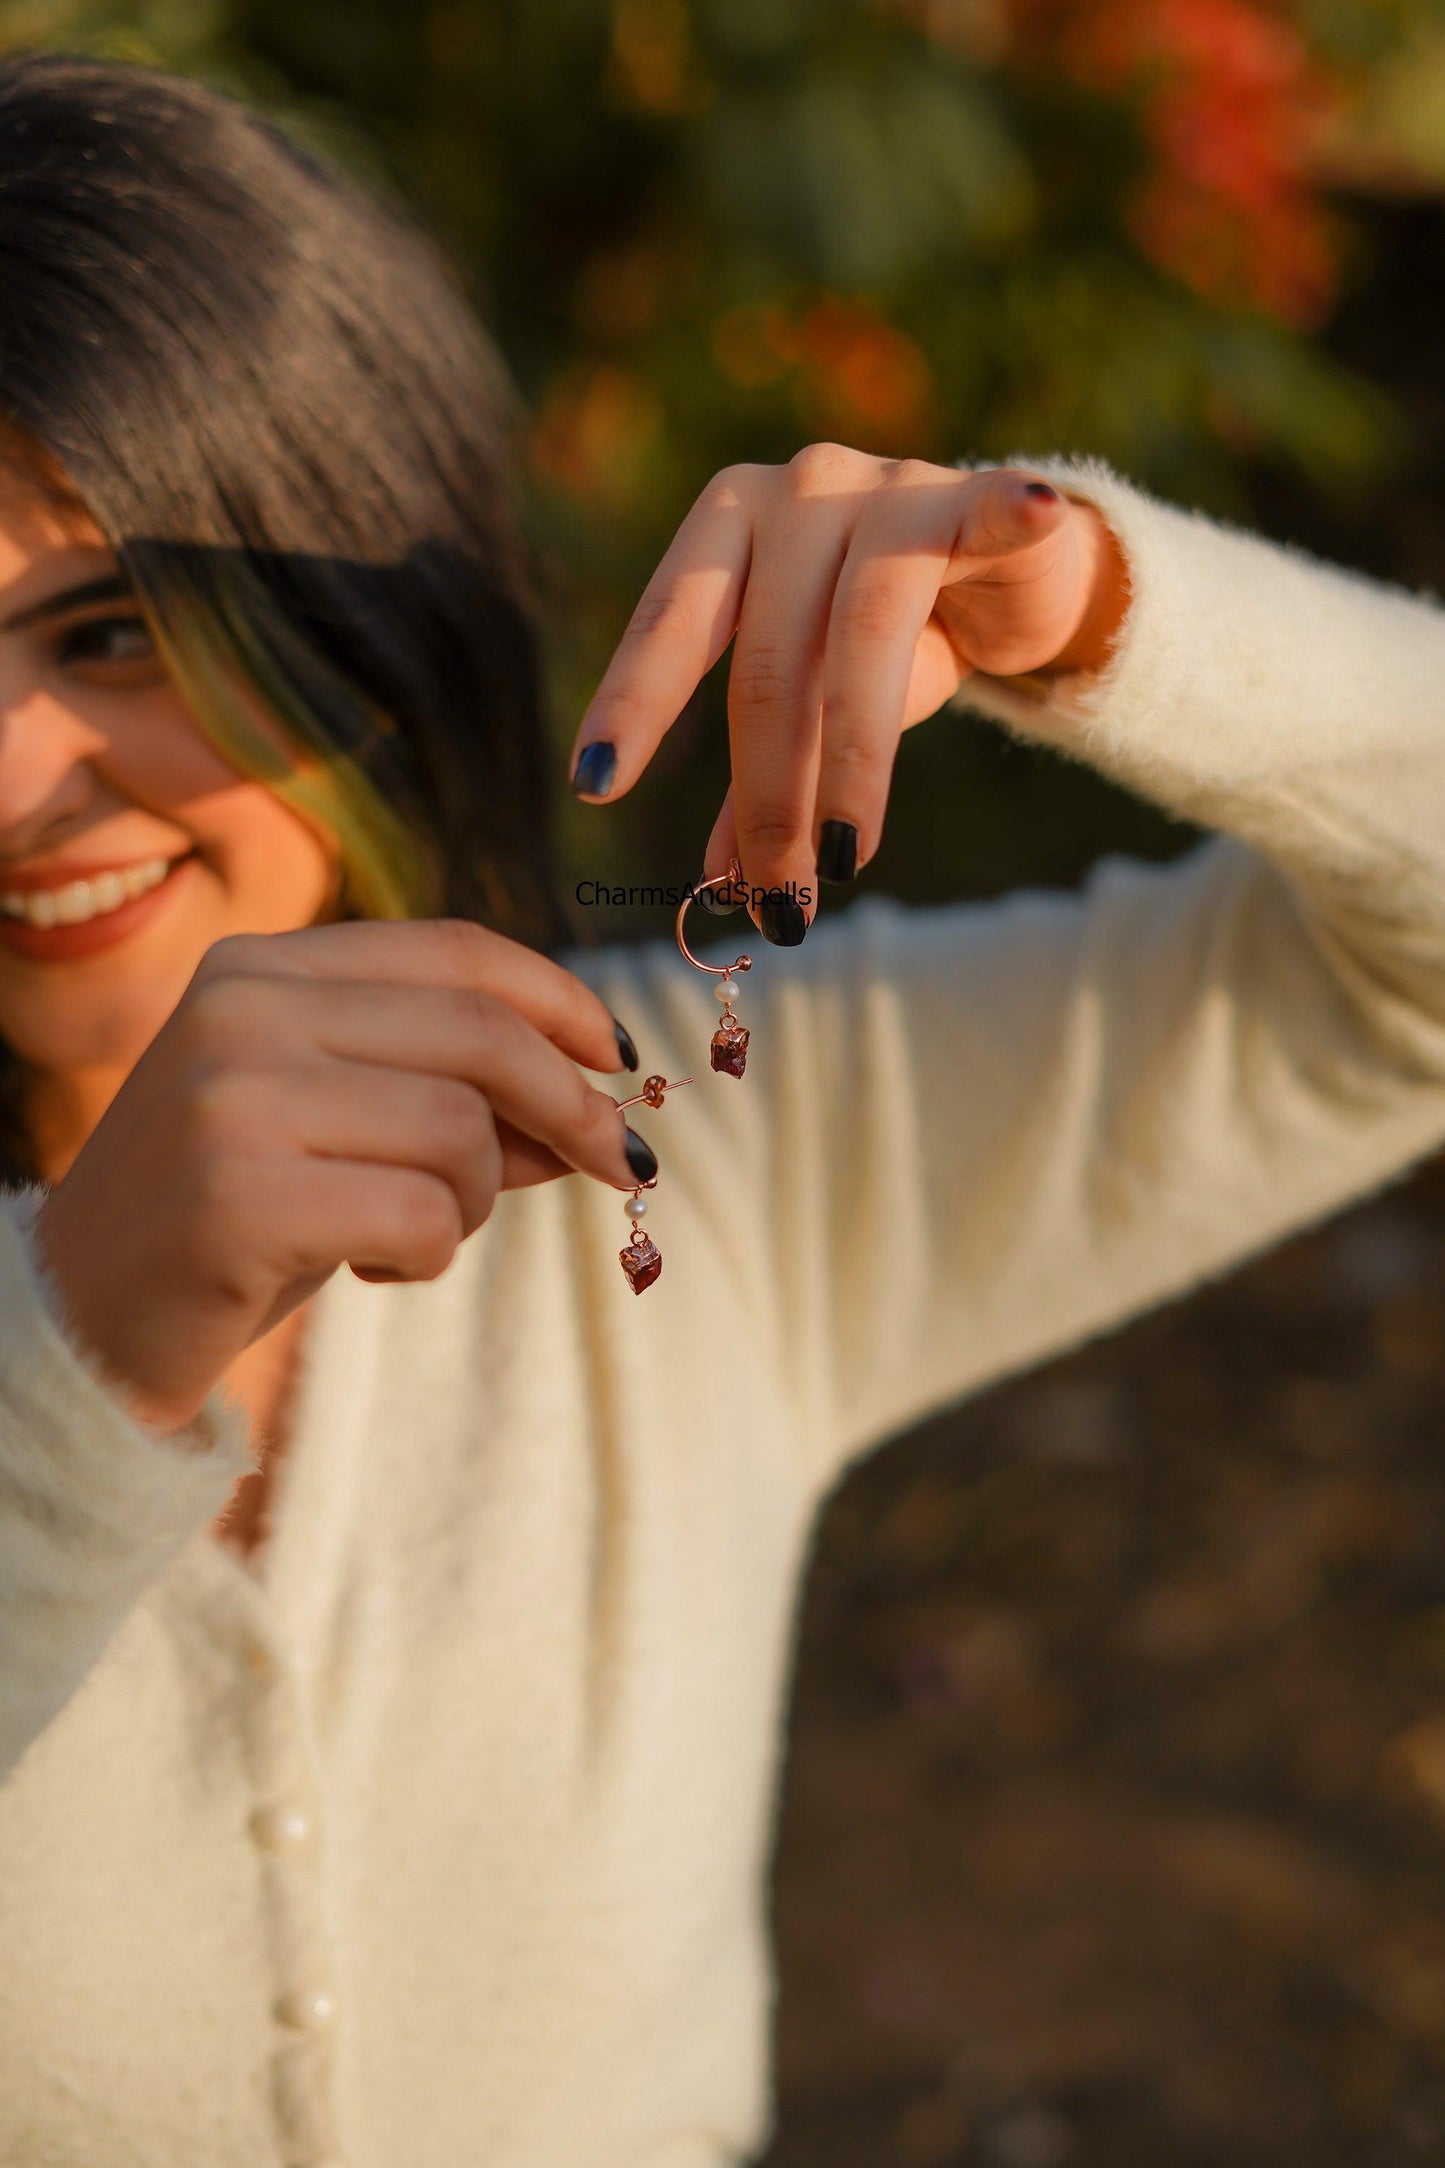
x: 308, y: 2010
x: 281, y: 1828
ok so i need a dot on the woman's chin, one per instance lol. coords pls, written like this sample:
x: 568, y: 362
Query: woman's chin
x: 111, y: 1035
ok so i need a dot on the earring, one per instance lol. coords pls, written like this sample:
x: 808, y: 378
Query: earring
x: 641, y: 1260
x: 730, y: 1040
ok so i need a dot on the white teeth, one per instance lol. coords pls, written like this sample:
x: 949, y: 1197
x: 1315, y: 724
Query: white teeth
x: 108, y: 889
x: 80, y: 900
x: 74, y: 903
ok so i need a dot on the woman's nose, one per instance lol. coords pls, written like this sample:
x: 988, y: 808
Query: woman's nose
x: 44, y: 747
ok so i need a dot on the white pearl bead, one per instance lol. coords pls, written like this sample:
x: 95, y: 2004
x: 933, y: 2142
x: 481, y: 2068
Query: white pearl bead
x: 636, y: 1208
x: 724, y: 990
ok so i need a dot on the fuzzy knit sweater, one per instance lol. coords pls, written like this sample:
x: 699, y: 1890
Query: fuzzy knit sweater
x: 437, y: 1836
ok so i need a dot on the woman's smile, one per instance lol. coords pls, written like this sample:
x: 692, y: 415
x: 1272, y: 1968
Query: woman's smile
x: 84, y: 916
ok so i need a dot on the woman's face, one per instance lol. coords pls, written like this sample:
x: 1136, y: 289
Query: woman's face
x: 103, y: 767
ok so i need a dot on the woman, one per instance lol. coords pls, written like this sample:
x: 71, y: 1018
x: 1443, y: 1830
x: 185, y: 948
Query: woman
x: 407, y: 1797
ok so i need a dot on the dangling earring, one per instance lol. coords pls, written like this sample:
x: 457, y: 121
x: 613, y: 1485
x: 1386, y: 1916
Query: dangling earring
x: 642, y: 1259
x: 730, y: 1040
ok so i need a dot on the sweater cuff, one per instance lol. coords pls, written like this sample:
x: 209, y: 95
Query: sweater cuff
x: 72, y: 1457
x: 1248, y: 674
x: 1255, y: 689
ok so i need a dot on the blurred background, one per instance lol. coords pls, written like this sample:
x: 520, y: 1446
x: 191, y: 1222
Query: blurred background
x: 1114, y: 1820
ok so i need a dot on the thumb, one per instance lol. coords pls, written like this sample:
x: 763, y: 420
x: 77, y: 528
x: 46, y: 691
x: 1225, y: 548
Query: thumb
x: 1018, y: 583
x: 1004, y: 510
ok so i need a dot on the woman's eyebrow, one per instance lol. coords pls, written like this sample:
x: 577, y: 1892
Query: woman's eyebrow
x: 111, y: 588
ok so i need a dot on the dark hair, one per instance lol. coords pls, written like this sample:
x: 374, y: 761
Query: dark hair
x: 270, y: 394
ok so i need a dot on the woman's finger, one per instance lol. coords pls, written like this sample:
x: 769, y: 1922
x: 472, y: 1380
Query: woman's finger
x: 1015, y: 589
x: 775, y: 687
x: 525, y: 1161
x: 386, y: 1115
x: 436, y: 952
x: 899, y: 553
x: 722, y: 844
x: 454, y: 1037
x: 681, y: 626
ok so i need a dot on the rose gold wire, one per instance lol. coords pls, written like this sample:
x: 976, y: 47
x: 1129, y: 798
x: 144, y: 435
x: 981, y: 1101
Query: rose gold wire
x: 719, y: 880
x: 651, y: 1095
x: 652, y: 1091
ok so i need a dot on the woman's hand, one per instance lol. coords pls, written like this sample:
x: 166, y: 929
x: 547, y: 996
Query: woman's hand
x: 357, y: 1092
x: 862, y: 592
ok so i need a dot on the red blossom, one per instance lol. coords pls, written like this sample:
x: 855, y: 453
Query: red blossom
x: 1231, y: 100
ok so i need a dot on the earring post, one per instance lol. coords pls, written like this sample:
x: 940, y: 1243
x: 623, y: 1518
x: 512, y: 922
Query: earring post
x: 652, y: 1091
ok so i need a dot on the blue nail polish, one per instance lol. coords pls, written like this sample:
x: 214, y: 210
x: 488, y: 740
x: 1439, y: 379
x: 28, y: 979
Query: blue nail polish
x: 595, y: 769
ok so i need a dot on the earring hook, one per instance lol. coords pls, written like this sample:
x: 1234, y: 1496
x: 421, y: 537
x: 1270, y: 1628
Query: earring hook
x: 719, y: 880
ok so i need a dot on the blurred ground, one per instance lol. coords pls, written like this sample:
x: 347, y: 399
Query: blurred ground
x: 1114, y: 1824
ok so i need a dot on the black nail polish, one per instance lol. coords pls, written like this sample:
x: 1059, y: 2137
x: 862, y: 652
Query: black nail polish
x: 625, y: 1046
x: 641, y: 1158
x: 837, y: 851
x: 783, y: 922
x: 595, y: 769
x: 1039, y: 489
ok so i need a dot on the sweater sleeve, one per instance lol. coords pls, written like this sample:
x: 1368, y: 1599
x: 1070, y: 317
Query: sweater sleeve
x: 974, y: 1135
x: 92, y: 1504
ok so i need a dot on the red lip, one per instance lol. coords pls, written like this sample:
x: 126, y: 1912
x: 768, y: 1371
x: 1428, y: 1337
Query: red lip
x: 22, y: 880
x: 65, y: 944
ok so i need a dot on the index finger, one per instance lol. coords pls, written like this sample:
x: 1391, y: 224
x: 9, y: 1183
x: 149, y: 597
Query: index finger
x: 683, y: 622
x: 440, y: 952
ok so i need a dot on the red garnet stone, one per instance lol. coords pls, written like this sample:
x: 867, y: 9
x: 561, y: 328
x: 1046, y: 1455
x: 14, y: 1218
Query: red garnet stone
x: 730, y: 1049
x: 641, y: 1261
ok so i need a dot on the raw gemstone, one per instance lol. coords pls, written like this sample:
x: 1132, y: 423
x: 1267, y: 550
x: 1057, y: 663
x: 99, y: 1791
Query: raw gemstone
x: 730, y: 1049
x: 641, y: 1261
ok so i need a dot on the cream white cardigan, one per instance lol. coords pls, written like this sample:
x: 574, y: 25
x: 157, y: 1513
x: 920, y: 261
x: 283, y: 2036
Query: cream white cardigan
x: 440, y: 1837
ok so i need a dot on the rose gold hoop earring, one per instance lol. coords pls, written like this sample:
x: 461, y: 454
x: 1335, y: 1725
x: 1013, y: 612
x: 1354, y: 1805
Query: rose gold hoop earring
x: 641, y: 1260
x: 730, y: 1040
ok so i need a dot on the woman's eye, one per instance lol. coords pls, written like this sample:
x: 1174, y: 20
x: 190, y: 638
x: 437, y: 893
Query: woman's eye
x: 106, y: 640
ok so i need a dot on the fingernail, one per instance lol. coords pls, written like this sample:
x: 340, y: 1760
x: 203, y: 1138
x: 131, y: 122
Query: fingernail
x: 641, y: 1158
x: 783, y: 921
x: 596, y: 766
x: 837, y: 851
x: 625, y: 1046
x: 1039, y: 489
x: 717, y: 902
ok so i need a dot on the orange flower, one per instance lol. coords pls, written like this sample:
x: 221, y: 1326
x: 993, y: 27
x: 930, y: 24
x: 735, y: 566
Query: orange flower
x: 593, y: 434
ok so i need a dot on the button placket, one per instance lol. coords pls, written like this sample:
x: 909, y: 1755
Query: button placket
x: 286, y: 1830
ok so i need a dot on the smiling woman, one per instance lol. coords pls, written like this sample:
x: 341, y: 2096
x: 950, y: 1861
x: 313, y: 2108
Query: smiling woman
x: 435, y: 1826
x: 276, y: 493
